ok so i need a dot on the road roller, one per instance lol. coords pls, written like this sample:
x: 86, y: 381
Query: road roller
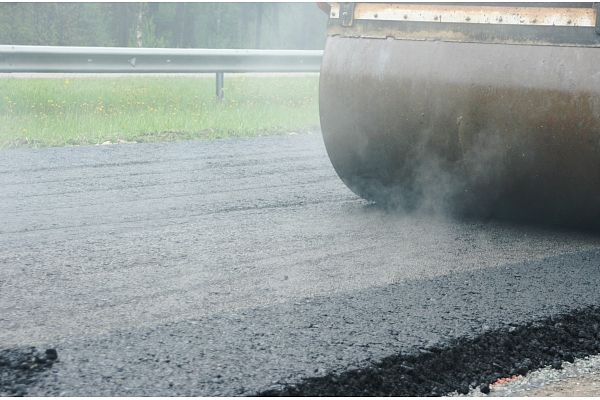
x: 478, y: 110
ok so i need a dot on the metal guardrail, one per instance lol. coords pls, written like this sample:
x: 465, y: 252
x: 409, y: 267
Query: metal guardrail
x: 145, y: 60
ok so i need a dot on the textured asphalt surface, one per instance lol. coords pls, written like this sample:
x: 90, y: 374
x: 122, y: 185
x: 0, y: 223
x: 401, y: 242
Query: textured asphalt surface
x: 234, y: 267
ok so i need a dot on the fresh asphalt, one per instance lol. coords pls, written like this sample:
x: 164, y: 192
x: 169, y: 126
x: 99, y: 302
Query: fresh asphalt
x: 239, y: 266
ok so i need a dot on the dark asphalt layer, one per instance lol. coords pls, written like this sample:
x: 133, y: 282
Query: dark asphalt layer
x: 236, y: 266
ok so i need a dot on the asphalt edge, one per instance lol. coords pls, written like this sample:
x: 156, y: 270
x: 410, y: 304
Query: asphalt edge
x: 465, y: 363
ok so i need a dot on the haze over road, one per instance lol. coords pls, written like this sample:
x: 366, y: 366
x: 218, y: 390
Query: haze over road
x: 231, y: 266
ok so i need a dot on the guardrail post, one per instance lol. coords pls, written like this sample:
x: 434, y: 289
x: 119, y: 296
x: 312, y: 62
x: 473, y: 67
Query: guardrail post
x: 220, y: 79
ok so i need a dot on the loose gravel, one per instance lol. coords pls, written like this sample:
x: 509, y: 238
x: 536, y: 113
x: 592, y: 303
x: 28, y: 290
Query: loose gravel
x: 21, y: 367
x: 580, y: 378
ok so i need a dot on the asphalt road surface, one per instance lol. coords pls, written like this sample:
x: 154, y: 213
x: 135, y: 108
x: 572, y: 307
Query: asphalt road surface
x: 238, y: 266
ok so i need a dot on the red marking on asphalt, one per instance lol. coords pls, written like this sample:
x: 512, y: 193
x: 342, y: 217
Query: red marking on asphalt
x: 502, y: 380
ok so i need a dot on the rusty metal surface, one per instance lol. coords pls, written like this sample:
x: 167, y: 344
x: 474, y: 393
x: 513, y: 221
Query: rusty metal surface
x: 466, y: 128
x: 510, y: 24
x: 510, y: 14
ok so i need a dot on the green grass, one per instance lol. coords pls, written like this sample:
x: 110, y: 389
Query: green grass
x: 91, y: 110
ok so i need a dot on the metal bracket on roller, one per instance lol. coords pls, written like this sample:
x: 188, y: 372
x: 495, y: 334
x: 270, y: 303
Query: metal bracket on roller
x: 597, y: 8
x: 347, y: 13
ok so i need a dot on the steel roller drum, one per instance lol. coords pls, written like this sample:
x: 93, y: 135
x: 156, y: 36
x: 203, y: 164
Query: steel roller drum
x: 475, y: 110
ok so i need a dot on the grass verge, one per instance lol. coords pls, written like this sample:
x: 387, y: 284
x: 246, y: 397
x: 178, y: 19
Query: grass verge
x: 44, y: 112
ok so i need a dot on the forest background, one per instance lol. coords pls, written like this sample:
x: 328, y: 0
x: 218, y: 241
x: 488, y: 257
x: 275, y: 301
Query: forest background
x: 223, y: 25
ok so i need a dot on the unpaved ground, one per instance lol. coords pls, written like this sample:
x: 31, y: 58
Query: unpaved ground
x: 585, y: 386
x: 580, y: 378
x: 242, y: 266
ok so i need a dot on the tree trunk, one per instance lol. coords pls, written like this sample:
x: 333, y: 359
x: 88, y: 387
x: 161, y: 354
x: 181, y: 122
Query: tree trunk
x: 138, y: 27
x: 178, y: 25
x: 123, y: 32
x: 308, y: 26
x: 218, y: 37
x: 275, y: 11
x: 244, y: 41
x: 189, y: 23
x: 259, y: 12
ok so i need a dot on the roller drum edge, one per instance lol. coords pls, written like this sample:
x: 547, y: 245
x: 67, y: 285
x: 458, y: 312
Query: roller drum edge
x: 472, y: 129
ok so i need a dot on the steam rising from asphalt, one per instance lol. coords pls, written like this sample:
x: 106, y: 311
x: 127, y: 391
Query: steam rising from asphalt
x: 468, y: 185
x: 437, y: 127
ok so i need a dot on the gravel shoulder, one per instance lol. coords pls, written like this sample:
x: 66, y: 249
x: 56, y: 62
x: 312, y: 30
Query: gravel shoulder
x: 584, y: 386
x: 581, y: 378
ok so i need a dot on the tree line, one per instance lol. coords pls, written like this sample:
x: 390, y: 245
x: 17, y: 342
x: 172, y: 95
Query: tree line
x: 299, y: 26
